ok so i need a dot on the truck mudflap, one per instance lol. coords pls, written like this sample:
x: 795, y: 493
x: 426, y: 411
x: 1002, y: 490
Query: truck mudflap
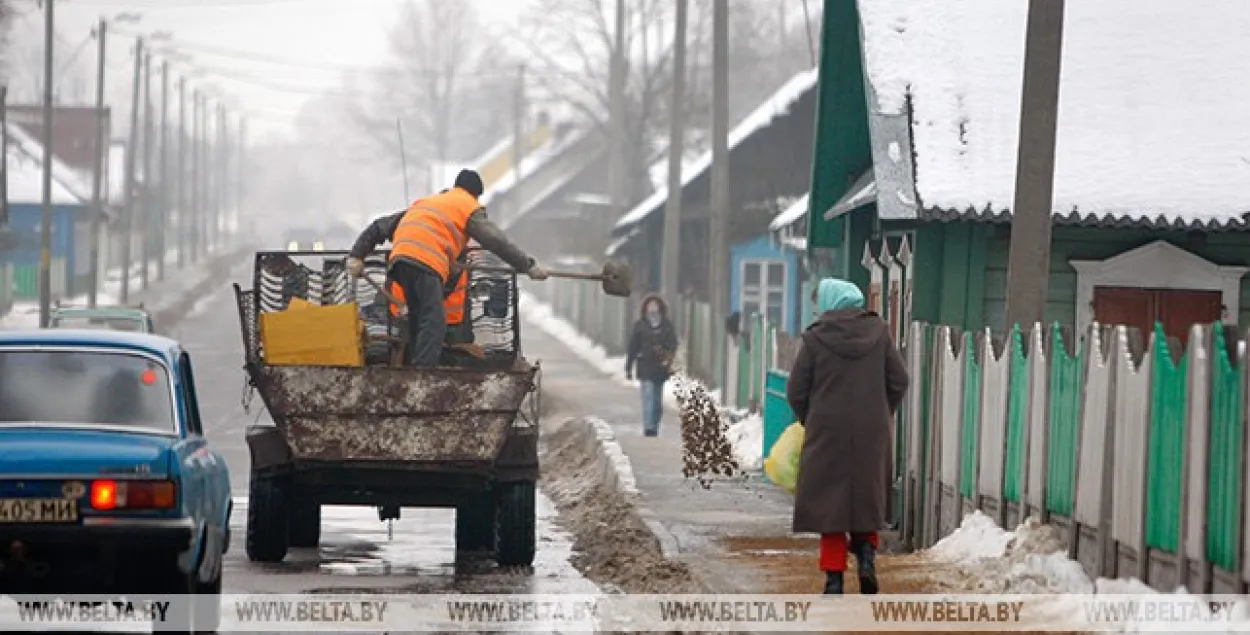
x: 379, y: 413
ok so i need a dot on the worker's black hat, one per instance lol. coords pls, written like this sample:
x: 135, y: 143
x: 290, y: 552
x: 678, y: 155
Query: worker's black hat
x: 471, y: 182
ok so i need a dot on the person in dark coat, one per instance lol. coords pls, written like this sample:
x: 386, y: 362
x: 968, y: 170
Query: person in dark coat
x: 652, y: 348
x: 846, y: 384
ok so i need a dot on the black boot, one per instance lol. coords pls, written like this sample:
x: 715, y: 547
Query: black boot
x: 866, y: 557
x: 833, y: 583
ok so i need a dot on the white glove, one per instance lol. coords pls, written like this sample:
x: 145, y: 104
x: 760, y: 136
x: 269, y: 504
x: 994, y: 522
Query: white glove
x: 355, y: 267
x: 536, y: 272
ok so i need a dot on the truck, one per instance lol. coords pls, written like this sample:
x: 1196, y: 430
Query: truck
x: 463, y: 435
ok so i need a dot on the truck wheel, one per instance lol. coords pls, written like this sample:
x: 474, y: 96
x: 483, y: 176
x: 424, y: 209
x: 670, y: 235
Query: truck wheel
x: 267, y: 530
x: 305, y: 524
x: 514, y: 517
x: 475, y: 525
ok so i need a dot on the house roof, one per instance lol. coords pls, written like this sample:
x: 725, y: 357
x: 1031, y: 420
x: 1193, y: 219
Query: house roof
x: 25, y: 173
x: 795, y: 211
x: 776, y: 105
x: 1150, y: 131
x: 534, y: 161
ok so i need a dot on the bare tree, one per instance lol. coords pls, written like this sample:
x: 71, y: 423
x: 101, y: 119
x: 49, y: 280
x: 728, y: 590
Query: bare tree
x: 573, y: 41
x: 443, y: 82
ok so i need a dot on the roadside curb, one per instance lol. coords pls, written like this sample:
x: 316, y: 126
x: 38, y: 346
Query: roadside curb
x: 599, y: 441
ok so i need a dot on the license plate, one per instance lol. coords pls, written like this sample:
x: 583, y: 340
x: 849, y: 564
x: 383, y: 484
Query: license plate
x: 38, y: 510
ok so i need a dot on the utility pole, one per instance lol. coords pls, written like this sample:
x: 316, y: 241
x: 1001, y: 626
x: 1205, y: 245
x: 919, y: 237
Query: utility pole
x: 180, y: 174
x: 149, y: 183
x: 223, y: 165
x: 616, y: 124
x: 204, y: 178
x: 719, y: 215
x: 97, y: 165
x: 671, y: 262
x: 240, y: 160
x: 193, y: 227
x: 4, y: 158
x: 132, y: 185
x: 163, y: 206
x: 45, y: 255
x: 1028, y: 266
x: 518, y: 139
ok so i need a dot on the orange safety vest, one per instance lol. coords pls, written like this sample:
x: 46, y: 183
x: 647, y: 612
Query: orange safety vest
x: 453, y: 305
x: 432, y: 231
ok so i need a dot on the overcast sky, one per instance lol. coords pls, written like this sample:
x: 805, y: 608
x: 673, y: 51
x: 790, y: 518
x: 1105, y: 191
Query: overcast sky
x: 322, y: 36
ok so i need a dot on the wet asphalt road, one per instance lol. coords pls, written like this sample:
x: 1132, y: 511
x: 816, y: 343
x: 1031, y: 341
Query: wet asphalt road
x: 355, y: 553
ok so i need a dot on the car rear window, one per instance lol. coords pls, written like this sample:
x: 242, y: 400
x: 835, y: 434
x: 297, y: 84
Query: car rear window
x: 84, y: 387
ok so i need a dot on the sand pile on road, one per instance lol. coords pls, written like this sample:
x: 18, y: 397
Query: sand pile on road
x: 613, y: 546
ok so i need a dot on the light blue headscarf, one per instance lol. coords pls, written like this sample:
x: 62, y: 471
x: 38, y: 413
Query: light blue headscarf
x: 834, y: 294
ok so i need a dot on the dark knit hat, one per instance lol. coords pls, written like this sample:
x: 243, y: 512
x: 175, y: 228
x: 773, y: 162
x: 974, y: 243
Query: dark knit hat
x: 471, y: 182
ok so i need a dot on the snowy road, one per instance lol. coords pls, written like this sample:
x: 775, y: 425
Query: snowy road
x: 355, y: 552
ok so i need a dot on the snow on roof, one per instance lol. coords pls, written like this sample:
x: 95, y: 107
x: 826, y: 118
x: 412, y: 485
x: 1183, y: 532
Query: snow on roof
x: 25, y: 173
x: 777, y: 105
x: 793, y: 213
x: 532, y: 162
x: 1152, y: 95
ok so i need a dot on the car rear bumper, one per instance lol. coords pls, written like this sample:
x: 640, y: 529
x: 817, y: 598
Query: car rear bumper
x: 156, y: 532
x: 99, y: 554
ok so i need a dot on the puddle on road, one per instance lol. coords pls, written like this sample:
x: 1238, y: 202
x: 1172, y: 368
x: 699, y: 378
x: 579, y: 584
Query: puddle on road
x: 420, y: 555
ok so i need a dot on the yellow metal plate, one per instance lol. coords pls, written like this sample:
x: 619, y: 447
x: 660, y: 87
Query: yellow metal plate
x: 38, y: 510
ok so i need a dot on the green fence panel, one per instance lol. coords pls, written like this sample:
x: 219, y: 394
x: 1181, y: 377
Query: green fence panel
x: 1227, y: 431
x: 972, y: 419
x: 777, y: 413
x: 1166, y: 450
x: 1066, y: 382
x: 26, y: 282
x: 1017, y: 419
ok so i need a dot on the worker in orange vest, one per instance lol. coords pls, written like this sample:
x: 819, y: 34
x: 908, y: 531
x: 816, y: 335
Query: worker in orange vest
x: 454, y: 308
x: 426, y: 241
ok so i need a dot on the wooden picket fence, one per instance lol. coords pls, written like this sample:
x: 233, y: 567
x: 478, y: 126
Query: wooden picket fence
x: 1136, y: 453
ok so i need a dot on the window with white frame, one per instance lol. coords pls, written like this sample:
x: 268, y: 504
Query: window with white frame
x: 763, y: 290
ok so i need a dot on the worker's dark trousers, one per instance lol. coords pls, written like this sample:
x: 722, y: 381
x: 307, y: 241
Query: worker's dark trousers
x: 427, y: 325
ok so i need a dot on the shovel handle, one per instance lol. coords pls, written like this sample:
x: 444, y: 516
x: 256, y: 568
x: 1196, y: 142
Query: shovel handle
x: 552, y: 274
x: 387, y: 294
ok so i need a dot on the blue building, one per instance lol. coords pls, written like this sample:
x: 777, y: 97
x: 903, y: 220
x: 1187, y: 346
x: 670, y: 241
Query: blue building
x: 71, y: 222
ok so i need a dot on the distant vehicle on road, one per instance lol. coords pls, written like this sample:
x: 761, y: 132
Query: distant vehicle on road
x: 305, y: 239
x: 107, y: 484
x: 109, y: 318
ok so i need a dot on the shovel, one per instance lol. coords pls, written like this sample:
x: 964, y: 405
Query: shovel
x: 616, y: 278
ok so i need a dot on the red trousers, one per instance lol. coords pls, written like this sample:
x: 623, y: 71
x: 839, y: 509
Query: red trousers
x: 834, y: 548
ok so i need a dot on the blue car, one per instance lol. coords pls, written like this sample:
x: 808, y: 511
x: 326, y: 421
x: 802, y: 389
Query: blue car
x: 107, y: 484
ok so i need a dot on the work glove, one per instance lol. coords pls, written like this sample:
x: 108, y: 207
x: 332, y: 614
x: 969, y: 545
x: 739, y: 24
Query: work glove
x: 536, y: 272
x: 355, y: 267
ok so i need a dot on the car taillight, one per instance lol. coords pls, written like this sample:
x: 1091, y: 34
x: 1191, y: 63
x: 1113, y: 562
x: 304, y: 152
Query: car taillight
x: 106, y: 495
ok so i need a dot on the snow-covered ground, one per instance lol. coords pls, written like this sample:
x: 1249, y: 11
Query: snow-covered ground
x: 744, y: 431
x: 25, y: 314
x: 983, y: 558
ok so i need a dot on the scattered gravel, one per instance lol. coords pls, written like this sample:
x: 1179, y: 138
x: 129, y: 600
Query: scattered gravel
x: 706, y: 451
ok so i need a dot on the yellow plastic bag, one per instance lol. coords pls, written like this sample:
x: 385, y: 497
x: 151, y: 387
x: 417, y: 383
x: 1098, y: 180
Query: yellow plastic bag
x: 782, y: 464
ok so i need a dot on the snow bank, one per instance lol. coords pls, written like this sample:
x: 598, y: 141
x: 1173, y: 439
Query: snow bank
x: 746, y: 435
x: 985, y: 559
